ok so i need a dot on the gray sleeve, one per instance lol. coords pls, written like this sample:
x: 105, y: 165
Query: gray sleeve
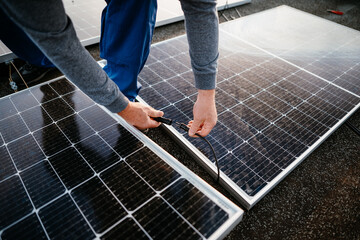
x: 202, y: 28
x: 46, y: 23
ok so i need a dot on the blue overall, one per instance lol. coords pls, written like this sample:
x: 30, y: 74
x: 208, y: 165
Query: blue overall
x: 126, y: 32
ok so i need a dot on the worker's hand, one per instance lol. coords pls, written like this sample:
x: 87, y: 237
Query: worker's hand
x: 139, y: 115
x: 205, y: 115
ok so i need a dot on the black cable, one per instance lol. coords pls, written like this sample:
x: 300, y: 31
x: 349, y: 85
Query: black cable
x: 216, y: 160
x: 185, y: 128
x: 224, y: 9
x: 352, y: 127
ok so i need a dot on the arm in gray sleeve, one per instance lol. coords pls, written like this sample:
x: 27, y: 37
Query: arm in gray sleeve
x: 202, y: 28
x: 52, y: 31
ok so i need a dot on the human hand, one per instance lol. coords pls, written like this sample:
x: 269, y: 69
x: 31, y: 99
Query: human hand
x: 140, y: 115
x: 205, y: 115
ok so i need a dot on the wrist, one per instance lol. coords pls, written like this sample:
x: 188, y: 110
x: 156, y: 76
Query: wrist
x: 126, y: 109
x: 206, y: 93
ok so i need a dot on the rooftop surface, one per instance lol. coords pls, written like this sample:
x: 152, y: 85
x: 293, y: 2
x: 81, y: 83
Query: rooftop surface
x: 320, y: 199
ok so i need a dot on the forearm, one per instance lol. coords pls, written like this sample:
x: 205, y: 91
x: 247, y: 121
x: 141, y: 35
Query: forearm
x: 201, y: 22
x: 52, y: 31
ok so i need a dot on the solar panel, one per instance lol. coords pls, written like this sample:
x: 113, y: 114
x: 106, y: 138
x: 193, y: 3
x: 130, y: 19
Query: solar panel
x: 86, y: 17
x: 70, y: 169
x: 326, y: 49
x: 272, y: 113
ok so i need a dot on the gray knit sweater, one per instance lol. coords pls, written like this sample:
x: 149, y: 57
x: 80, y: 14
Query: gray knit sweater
x: 52, y: 31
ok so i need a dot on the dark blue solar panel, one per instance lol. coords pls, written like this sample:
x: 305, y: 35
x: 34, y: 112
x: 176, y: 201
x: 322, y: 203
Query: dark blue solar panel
x: 51, y: 139
x: 96, y: 118
x: 7, y: 167
x: 14, y: 201
x: 193, y: 205
x: 155, y: 171
x: 120, y: 139
x: 126, y: 229
x: 36, y: 118
x: 24, y: 100
x: 71, y: 167
x: 98, y: 204
x: 78, y: 100
x: 69, y: 170
x: 156, y: 213
x: 265, y: 105
x: 128, y: 187
x: 7, y: 108
x: 97, y: 153
x: 12, y: 128
x: 75, y: 128
x: 57, y: 109
x: 28, y: 228
x: 62, y: 219
x: 42, y: 183
x: 44, y: 93
x: 25, y: 152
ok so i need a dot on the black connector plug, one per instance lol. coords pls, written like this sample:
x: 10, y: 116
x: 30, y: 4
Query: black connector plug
x: 183, y: 127
x: 163, y: 120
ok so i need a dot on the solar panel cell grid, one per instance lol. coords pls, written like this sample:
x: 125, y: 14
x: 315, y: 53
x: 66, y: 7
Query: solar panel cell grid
x: 270, y: 111
x: 126, y: 229
x: 12, y: 128
x: 75, y: 128
x: 97, y: 153
x: 25, y: 152
x: 14, y: 201
x: 128, y: 187
x: 7, y: 166
x: 42, y: 189
x: 83, y: 175
x: 36, y: 118
x: 62, y: 219
x: 78, y: 100
x: 98, y: 205
x: 156, y: 213
x: 24, y: 100
x: 29, y: 228
x: 154, y: 171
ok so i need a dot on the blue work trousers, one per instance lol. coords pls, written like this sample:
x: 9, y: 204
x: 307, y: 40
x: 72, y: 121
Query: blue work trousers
x: 126, y: 32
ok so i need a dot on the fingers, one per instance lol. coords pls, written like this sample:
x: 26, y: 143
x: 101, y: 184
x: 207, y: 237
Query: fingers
x: 154, y: 113
x: 152, y: 123
x: 205, y: 130
x: 194, y: 127
x: 139, y: 115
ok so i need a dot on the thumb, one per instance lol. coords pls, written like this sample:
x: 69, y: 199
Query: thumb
x: 194, y: 128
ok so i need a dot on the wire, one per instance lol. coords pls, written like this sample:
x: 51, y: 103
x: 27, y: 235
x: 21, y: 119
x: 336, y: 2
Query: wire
x: 12, y: 83
x: 224, y: 9
x: 185, y: 128
x: 18, y: 73
x: 216, y: 160
x: 352, y: 127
